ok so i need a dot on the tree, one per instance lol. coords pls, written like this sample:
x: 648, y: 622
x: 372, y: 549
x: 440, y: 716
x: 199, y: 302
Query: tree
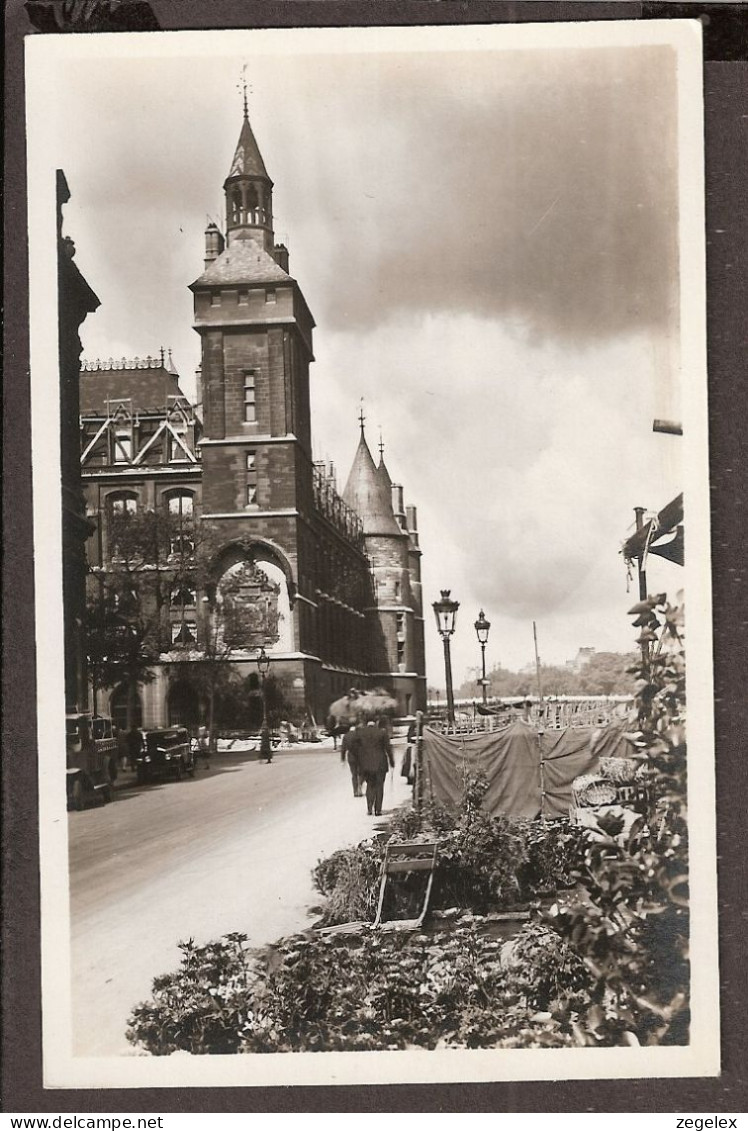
x: 128, y: 596
x: 143, y: 598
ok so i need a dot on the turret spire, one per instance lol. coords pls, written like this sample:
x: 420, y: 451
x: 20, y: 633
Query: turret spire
x: 248, y: 188
x: 244, y: 92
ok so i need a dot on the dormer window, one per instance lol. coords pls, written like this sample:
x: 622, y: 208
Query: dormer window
x: 123, y: 446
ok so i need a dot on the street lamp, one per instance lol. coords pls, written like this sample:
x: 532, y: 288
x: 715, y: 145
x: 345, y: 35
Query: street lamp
x: 263, y: 666
x: 445, y: 612
x: 481, y: 629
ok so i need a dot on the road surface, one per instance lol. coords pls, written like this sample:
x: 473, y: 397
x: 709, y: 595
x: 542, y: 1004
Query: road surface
x: 230, y: 851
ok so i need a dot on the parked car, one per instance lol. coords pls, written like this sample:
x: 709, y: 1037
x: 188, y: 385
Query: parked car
x: 91, y: 752
x: 165, y: 753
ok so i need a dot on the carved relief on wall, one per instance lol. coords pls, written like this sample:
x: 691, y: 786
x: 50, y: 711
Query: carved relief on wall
x: 249, y: 607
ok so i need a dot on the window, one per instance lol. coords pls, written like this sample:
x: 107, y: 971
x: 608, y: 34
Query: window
x: 181, y: 545
x: 215, y: 298
x: 123, y: 504
x: 269, y: 294
x: 401, y: 655
x: 251, y: 495
x: 184, y: 632
x: 183, y: 596
x: 177, y: 454
x: 250, y: 413
x: 243, y: 297
x: 122, y: 447
x: 400, y: 625
x: 397, y: 590
x: 181, y: 503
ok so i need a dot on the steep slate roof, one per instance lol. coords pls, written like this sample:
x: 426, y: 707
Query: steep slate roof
x: 368, y: 495
x: 147, y: 388
x: 247, y: 159
x: 383, y: 473
x: 243, y: 261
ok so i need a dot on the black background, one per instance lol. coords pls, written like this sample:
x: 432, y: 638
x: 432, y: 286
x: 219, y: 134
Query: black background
x: 726, y: 126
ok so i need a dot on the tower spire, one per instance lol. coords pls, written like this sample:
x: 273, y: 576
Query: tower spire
x: 244, y: 91
x: 248, y: 188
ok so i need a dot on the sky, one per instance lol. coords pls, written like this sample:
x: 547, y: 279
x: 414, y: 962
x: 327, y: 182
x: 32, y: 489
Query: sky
x: 489, y: 242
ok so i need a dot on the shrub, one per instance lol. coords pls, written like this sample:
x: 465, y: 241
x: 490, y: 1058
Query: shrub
x: 629, y: 921
x: 364, y: 992
x: 349, y: 880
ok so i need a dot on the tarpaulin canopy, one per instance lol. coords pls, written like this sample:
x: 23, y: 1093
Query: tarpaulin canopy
x: 529, y: 771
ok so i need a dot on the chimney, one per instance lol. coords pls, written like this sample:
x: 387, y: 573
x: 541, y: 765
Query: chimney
x: 281, y: 256
x: 214, y: 244
x: 398, y: 504
x: 412, y: 526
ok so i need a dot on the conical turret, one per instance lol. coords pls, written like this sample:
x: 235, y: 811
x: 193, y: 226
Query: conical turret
x: 369, y: 494
x: 249, y: 193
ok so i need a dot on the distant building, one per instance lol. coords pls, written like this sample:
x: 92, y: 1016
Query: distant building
x: 582, y: 658
x: 329, y: 586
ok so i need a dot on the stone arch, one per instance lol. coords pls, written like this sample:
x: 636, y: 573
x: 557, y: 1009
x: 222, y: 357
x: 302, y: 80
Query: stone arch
x: 252, y: 595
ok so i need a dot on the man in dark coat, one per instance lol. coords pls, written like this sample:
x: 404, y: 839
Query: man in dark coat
x: 349, y: 752
x: 374, y: 759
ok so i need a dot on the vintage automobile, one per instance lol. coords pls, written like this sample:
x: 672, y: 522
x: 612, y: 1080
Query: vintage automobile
x: 91, y: 750
x: 165, y: 753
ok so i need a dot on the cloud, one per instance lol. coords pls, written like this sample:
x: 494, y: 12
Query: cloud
x: 540, y: 187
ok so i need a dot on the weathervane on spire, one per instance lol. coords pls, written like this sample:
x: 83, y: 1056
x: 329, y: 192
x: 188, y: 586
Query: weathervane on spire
x: 361, y: 417
x: 243, y: 87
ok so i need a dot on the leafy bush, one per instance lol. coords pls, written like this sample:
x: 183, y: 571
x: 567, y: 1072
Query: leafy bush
x: 484, y: 862
x: 629, y: 920
x: 349, y: 880
x: 362, y: 992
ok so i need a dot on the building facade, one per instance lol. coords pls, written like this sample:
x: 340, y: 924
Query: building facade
x: 75, y: 301
x: 328, y: 585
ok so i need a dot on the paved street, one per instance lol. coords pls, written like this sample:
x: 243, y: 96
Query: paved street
x: 230, y: 851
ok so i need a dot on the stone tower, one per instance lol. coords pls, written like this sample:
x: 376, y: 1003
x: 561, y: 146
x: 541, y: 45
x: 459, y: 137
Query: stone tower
x: 394, y: 559
x: 290, y: 545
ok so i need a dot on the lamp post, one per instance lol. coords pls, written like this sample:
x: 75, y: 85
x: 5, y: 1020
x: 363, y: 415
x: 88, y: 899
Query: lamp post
x: 263, y: 666
x: 481, y: 629
x: 445, y: 612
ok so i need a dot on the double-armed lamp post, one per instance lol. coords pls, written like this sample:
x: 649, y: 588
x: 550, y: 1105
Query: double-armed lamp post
x: 263, y: 666
x: 445, y: 612
x: 481, y: 629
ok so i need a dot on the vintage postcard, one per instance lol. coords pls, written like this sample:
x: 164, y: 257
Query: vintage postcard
x: 374, y: 364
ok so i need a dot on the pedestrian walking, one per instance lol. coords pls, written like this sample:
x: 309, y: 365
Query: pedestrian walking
x: 134, y: 746
x: 349, y: 753
x: 375, y: 759
x: 203, y: 746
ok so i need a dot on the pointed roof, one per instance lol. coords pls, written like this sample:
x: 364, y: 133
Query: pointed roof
x: 244, y: 261
x: 382, y: 469
x: 367, y: 493
x: 247, y: 159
